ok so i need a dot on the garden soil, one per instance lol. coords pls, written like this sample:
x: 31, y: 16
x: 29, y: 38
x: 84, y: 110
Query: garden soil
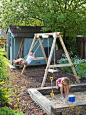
x: 32, y: 78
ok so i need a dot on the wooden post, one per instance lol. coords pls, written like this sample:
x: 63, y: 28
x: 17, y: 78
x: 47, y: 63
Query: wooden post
x: 32, y: 43
x: 20, y: 47
x: 42, y: 50
x: 85, y: 48
x: 23, y: 69
x: 49, y: 60
x: 72, y: 67
x: 81, y: 47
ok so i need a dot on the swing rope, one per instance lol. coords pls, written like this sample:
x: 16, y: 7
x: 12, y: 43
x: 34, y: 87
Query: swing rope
x: 54, y: 56
x: 48, y: 47
x: 38, y: 46
x: 33, y: 47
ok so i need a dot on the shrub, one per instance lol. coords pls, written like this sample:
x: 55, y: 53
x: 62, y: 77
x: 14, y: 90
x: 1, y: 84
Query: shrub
x: 3, y: 78
x: 8, y: 111
x: 3, y: 52
x: 79, y: 65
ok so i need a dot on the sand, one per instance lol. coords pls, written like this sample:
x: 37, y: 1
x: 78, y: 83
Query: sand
x: 79, y: 97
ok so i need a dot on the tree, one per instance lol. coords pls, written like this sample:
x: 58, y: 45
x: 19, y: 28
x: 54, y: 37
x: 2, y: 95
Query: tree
x: 66, y: 16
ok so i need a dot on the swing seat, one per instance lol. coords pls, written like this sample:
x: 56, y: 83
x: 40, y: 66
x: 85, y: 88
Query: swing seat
x: 38, y: 58
x: 53, y: 71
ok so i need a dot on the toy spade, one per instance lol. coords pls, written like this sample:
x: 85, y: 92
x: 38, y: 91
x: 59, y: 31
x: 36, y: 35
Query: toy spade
x: 51, y: 94
x: 51, y: 78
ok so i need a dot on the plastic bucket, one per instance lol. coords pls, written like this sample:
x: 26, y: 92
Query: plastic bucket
x: 71, y: 98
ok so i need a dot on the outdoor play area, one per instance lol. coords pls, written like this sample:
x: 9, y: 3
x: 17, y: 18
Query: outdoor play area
x: 32, y: 79
x: 42, y: 57
x: 34, y: 87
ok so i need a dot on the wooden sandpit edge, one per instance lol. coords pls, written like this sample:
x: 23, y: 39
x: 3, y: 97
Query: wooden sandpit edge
x: 38, y: 95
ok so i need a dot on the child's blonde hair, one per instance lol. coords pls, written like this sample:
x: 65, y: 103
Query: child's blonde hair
x: 65, y: 80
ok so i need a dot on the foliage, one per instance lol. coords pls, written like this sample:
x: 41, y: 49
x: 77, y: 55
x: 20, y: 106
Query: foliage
x: 65, y: 16
x: 6, y: 92
x: 2, y: 45
x: 1, y: 37
x: 3, y: 52
x: 79, y: 65
x: 16, y: 93
x: 73, y: 46
x: 74, y: 110
x: 82, y: 71
x: 7, y: 111
x: 3, y: 78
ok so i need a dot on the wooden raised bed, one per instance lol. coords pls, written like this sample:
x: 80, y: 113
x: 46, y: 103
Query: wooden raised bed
x: 39, y: 96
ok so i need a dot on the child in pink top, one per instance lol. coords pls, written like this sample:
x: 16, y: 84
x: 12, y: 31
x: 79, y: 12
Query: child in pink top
x: 65, y: 83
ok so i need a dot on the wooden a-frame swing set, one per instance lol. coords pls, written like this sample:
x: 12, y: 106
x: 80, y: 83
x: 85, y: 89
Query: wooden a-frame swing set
x: 49, y: 67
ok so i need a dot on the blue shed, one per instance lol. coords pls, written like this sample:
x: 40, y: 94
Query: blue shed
x: 19, y: 40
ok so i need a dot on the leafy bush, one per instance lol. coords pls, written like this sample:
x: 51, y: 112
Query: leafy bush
x: 3, y: 52
x: 2, y: 45
x: 79, y: 65
x: 3, y: 78
x: 7, y: 111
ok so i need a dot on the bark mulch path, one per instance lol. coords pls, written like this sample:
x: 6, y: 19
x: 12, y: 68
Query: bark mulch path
x: 32, y: 78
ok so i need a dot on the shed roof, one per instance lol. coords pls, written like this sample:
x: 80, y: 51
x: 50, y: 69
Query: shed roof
x: 24, y: 31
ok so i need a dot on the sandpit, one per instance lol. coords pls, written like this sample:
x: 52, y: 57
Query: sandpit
x: 56, y: 105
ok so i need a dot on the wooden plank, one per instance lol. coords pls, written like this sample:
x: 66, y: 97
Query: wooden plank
x: 46, y: 35
x: 42, y: 101
x: 20, y: 47
x: 43, y: 36
x: 60, y: 106
x: 65, y: 50
x: 43, y: 50
x: 49, y: 60
x: 53, y: 71
x: 38, y: 58
x: 60, y: 65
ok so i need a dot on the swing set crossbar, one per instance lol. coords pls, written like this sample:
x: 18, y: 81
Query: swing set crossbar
x: 46, y: 35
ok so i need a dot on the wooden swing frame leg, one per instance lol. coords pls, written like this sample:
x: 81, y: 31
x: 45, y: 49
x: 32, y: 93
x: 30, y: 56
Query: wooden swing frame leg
x: 49, y: 60
x: 23, y: 68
